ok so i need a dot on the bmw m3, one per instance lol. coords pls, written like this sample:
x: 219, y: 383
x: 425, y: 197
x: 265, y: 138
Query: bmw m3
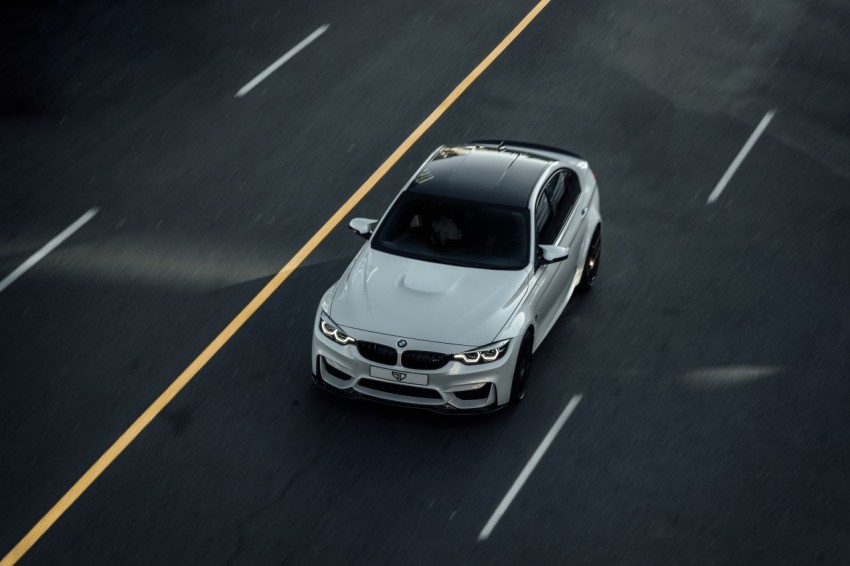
x: 461, y: 279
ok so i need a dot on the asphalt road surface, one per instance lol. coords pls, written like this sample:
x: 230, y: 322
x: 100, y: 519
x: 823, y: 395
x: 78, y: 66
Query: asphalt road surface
x: 711, y: 358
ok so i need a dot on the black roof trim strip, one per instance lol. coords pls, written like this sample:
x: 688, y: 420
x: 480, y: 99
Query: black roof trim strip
x: 525, y: 147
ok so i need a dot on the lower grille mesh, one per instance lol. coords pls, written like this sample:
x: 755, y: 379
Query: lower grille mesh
x: 406, y: 390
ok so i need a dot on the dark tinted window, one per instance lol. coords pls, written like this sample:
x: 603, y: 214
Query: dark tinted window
x: 555, y: 190
x: 544, y: 221
x: 572, y: 190
x: 456, y: 232
x: 562, y: 190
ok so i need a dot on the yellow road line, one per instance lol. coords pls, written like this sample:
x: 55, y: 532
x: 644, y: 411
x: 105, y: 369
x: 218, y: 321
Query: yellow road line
x: 165, y: 398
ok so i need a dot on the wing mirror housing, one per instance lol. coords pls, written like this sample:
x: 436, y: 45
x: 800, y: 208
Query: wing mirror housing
x: 363, y: 227
x: 551, y: 254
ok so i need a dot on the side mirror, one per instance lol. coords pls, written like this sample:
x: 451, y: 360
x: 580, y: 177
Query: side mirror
x: 551, y: 254
x: 363, y: 227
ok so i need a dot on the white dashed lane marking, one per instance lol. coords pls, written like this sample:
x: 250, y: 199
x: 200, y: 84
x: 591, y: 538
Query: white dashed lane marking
x: 715, y: 194
x: 47, y: 248
x: 283, y: 59
x: 529, y: 467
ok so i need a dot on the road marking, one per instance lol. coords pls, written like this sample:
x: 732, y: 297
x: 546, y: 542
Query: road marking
x: 715, y: 194
x: 106, y: 459
x: 283, y: 59
x: 48, y: 247
x: 529, y: 467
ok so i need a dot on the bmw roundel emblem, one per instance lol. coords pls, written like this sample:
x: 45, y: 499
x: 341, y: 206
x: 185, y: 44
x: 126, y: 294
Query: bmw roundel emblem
x: 402, y: 343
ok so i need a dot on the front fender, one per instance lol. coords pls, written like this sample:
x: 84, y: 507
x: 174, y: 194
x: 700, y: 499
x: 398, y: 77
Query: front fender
x: 594, y: 220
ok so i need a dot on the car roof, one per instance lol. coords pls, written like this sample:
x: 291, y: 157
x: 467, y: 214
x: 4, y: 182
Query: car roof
x: 480, y: 174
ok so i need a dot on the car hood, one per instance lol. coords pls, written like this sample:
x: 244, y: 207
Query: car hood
x: 404, y: 297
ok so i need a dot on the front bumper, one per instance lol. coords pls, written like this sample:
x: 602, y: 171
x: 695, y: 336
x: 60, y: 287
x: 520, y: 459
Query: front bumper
x: 453, y: 388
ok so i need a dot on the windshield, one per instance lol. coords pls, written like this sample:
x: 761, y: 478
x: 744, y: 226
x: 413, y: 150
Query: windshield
x: 456, y: 232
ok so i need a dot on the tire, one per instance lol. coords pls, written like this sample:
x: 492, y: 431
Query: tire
x: 591, y: 262
x: 522, y: 371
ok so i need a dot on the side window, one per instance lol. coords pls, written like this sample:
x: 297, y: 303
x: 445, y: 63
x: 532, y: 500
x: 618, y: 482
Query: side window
x: 556, y: 201
x: 563, y: 191
x: 572, y: 190
x: 544, y: 220
x: 560, y: 201
x: 555, y: 190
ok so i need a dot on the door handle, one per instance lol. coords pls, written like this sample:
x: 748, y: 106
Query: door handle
x: 584, y: 211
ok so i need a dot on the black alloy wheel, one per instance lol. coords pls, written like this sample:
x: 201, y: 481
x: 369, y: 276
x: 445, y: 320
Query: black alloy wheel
x: 591, y: 262
x: 522, y: 371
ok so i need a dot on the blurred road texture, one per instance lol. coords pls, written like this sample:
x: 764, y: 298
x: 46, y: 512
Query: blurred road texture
x: 712, y: 357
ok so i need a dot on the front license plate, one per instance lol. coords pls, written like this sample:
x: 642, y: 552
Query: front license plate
x: 398, y: 376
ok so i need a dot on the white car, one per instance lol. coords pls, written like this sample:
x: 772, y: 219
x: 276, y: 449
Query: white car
x: 462, y: 279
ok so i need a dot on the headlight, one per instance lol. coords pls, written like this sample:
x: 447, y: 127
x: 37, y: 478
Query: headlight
x: 485, y: 354
x: 332, y: 331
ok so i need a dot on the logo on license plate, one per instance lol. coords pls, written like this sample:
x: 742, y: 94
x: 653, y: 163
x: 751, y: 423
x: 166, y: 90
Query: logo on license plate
x: 399, y: 375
